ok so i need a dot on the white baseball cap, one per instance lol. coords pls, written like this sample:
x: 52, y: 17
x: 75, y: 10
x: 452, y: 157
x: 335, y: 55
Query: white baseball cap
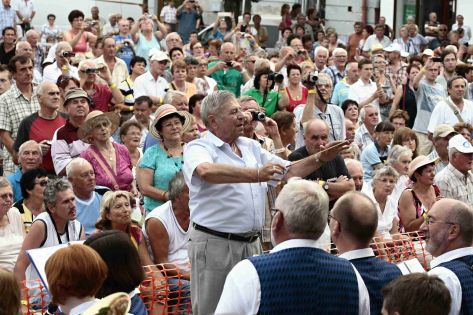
x: 460, y: 143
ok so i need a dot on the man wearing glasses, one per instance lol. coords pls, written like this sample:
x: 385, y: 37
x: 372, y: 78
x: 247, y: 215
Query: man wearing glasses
x: 448, y: 233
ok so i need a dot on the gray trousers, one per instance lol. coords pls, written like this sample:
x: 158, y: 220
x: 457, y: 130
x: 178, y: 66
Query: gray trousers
x: 211, y: 259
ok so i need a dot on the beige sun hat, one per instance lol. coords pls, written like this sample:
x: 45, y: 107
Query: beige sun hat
x: 162, y: 112
x: 113, y: 304
x: 87, y: 125
x: 418, y: 162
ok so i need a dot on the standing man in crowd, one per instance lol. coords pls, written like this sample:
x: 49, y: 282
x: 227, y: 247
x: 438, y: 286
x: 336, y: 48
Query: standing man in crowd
x: 168, y: 16
x: 117, y: 67
x: 466, y: 28
x: 152, y: 83
x: 62, y: 65
x: 377, y: 38
x: 228, y: 73
x: 7, y: 46
x: 25, y: 12
x: 295, y: 273
x: 354, y: 40
x: 7, y: 15
x: 337, y: 71
x: 353, y: 224
x: 42, y: 125
x: 448, y: 230
x: 365, y: 91
x: 237, y: 170
x: 341, y: 90
x: 14, y: 108
x: 187, y: 17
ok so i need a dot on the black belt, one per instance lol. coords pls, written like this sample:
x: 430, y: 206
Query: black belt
x: 228, y: 236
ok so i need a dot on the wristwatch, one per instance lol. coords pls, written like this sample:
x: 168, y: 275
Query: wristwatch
x: 325, y: 187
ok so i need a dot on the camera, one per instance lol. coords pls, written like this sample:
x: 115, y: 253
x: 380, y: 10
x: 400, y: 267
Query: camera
x: 311, y: 79
x: 91, y: 70
x: 276, y: 77
x: 258, y: 116
x: 300, y: 52
x: 68, y: 54
x: 229, y: 64
x: 437, y: 59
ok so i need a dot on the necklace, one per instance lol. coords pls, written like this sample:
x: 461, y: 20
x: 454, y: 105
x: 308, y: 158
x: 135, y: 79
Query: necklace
x: 176, y: 163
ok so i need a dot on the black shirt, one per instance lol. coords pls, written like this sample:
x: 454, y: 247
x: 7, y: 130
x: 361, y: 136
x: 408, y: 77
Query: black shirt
x: 6, y: 56
x: 330, y: 170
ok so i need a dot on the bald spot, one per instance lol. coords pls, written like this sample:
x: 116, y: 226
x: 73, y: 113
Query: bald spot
x: 315, y: 125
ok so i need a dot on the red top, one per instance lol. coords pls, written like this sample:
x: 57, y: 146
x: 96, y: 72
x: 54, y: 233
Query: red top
x: 102, y: 97
x: 294, y: 103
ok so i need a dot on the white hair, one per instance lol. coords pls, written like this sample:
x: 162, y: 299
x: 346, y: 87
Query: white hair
x: 304, y: 205
x: 398, y: 151
x: 214, y: 103
x: 338, y: 50
x: 363, y: 111
x: 171, y: 94
x: 77, y: 162
x: 28, y: 143
x: 20, y: 43
x: 320, y: 48
x: 353, y: 162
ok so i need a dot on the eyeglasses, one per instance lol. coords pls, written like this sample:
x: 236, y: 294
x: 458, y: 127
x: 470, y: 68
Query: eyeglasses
x: 252, y: 61
x: 43, y: 183
x: 429, y: 221
x: 163, y: 62
x: 274, y: 211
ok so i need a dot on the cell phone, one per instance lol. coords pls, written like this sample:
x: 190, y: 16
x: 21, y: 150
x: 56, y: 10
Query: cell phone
x: 437, y: 59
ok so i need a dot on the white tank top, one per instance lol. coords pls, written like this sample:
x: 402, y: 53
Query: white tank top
x: 178, y: 237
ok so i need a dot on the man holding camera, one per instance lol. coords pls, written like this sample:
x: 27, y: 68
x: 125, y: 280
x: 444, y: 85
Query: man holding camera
x: 187, y: 17
x: 228, y: 73
x: 62, y: 65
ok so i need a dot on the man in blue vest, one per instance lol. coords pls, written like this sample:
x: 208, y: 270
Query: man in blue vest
x: 448, y: 231
x: 296, y: 277
x: 353, y: 223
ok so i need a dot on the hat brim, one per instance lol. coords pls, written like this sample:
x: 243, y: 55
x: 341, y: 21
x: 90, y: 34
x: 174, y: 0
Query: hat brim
x: 83, y: 132
x: 424, y: 163
x: 107, y: 301
x: 154, y: 131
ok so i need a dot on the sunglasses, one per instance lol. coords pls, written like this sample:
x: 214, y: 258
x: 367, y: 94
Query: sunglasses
x: 90, y: 70
x: 43, y: 183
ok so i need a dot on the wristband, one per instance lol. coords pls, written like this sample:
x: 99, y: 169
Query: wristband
x: 163, y: 195
x: 312, y: 91
x: 131, y: 108
x: 112, y: 86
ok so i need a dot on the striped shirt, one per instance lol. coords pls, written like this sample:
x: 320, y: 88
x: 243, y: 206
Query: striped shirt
x: 456, y: 185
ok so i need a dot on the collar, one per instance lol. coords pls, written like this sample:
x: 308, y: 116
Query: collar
x: 258, y: 138
x: 79, y: 309
x: 213, y: 139
x: 451, y: 255
x: 363, y: 83
x: 293, y: 243
x: 357, y: 253
x: 17, y: 93
x: 457, y: 173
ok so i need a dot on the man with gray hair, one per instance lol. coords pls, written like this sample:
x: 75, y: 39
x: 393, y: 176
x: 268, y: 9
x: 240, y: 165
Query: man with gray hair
x: 62, y: 65
x: 337, y: 70
x: 33, y: 37
x: 237, y: 170
x: 42, y: 125
x: 456, y: 179
x: 29, y: 157
x: 58, y: 225
x: 318, y: 106
x: 341, y: 89
x: 369, y: 117
x: 289, y: 279
x: 81, y: 175
x: 448, y: 230
x: 355, y: 169
x: 23, y: 48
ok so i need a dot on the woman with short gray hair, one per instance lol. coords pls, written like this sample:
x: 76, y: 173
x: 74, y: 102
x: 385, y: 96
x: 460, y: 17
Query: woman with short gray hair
x: 399, y: 158
x: 379, y: 191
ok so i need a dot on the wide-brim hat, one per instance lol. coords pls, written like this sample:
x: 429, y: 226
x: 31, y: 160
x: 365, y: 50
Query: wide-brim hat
x: 419, y: 162
x: 162, y: 112
x: 119, y: 302
x: 87, y: 125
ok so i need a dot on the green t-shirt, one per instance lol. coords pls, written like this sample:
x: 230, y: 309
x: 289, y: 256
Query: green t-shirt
x: 271, y: 102
x: 231, y: 80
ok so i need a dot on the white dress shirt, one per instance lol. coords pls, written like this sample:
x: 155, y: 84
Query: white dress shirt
x: 443, y: 114
x: 232, y: 207
x: 359, y: 91
x: 52, y: 72
x: 448, y: 277
x: 242, y: 291
x: 145, y: 84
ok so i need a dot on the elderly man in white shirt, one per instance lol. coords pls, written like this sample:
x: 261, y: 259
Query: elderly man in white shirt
x: 152, y: 83
x: 453, y: 107
x: 287, y: 280
x: 227, y: 176
x: 62, y: 65
x: 449, y: 234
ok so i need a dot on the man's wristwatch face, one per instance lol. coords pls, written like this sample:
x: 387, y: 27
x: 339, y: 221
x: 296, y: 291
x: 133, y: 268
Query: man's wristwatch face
x: 326, y: 186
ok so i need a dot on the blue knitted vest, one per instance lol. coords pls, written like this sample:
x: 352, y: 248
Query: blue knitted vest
x: 376, y: 273
x: 306, y: 280
x: 462, y: 268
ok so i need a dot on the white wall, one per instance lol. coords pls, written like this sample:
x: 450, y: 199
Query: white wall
x: 465, y: 8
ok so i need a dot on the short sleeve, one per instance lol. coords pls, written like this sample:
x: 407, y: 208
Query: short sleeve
x: 372, y: 157
x: 194, y: 155
x: 149, y: 158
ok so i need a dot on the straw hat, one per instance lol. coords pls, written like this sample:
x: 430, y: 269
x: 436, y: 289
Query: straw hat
x: 162, y: 112
x: 418, y: 162
x: 116, y: 303
x: 88, y: 124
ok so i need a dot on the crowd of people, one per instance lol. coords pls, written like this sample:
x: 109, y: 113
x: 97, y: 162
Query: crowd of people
x: 195, y: 155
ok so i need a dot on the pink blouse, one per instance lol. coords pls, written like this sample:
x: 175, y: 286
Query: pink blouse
x: 81, y: 46
x: 123, y: 177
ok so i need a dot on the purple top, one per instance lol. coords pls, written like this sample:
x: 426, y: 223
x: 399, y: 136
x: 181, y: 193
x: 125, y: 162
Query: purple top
x: 123, y: 177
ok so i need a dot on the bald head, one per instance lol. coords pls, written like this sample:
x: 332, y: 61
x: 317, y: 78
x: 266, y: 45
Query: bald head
x: 457, y: 212
x: 357, y: 216
x: 45, y: 87
x: 315, y: 124
x: 227, y: 52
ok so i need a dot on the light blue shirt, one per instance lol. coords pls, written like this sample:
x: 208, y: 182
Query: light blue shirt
x: 232, y: 207
x: 370, y: 156
x: 88, y: 211
x: 340, y: 93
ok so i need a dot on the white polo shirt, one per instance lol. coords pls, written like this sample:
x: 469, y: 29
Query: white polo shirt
x: 359, y: 91
x: 145, y: 84
x: 443, y: 114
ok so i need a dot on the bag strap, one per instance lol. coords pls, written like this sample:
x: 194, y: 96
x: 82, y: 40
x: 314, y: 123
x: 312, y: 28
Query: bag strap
x: 454, y: 108
x: 106, y: 169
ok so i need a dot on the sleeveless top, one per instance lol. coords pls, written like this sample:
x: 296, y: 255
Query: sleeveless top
x: 81, y: 46
x: 420, y: 208
x: 52, y: 237
x: 293, y: 103
x: 143, y: 46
